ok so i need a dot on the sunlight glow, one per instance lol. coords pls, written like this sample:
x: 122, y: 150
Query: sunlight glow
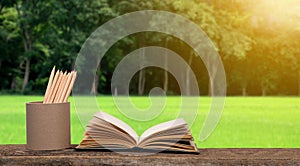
x: 278, y: 13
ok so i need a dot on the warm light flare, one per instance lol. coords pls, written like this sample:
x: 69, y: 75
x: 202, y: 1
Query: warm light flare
x: 277, y: 13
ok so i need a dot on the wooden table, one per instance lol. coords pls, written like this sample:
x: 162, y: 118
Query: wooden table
x: 17, y: 155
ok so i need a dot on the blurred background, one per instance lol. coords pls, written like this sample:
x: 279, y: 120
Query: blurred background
x: 258, y: 41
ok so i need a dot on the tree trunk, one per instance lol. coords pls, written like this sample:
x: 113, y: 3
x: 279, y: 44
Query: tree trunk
x: 209, y: 91
x: 27, y: 46
x: 299, y: 84
x: 166, y: 81
x: 26, y: 75
x: 166, y: 75
x: 116, y: 92
x: 182, y: 77
x: 213, y: 68
x: 142, y: 78
x: 212, y: 77
x: 141, y: 82
x: 94, y: 89
x: 188, y: 72
x: 13, y: 83
x: 244, y: 91
x: 263, y: 91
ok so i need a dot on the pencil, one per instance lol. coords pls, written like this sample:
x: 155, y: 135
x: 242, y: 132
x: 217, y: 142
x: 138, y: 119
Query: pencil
x: 55, y: 87
x: 60, y: 87
x: 73, y: 75
x: 64, y: 91
x: 49, y: 85
x: 52, y: 87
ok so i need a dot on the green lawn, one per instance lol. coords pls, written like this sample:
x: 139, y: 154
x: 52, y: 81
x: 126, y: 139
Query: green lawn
x: 267, y: 122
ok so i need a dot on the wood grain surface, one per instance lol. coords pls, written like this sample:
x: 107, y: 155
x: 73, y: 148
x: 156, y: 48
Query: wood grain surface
x: 18, y: 155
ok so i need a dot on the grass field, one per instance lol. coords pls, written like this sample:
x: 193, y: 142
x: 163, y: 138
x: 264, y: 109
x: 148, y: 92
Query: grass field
x: 265, y: 122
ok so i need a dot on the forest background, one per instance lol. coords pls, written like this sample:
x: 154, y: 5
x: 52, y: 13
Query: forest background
x: 258, y: 41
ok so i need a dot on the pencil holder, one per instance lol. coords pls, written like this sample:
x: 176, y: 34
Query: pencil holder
x: 47, y: 126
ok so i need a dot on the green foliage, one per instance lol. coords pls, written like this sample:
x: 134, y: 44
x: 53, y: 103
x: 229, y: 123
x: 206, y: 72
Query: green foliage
x: 257, y: 40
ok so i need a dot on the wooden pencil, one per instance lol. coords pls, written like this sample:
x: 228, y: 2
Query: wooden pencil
x: 64, y: 91
x: 49, y: 85
x: 55, y: 87
x: 60, y: 83
x: 68, y: 87
x: 73, y: 75
x: 52, y: 87
x: 60, y: 88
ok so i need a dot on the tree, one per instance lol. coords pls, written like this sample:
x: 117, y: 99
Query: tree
x: 272, y: 24
x: 126, y: 6
x: 258, y: 41
x: 219, y: 25
x: 33, y: 17
x: 10, y: 43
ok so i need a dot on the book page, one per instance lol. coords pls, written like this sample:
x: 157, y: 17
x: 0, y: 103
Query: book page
x: 117, y: 122
x: 98, y: 126
x: 162, y: 127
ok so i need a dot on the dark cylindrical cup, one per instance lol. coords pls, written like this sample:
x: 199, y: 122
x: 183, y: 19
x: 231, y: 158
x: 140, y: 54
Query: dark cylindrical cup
x: 47, y: 126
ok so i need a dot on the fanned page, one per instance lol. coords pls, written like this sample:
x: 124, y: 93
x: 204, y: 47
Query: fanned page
x: 117, y: 122
x: 161, y: 127
x: 102, y: 131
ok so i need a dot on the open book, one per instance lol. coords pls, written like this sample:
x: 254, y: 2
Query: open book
x: 107, y: 132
